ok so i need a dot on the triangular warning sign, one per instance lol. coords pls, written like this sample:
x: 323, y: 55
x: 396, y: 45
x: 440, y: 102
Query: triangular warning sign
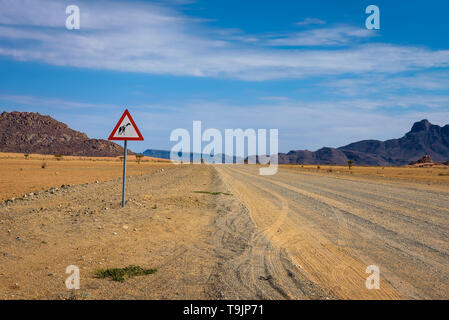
x: 126, y: 129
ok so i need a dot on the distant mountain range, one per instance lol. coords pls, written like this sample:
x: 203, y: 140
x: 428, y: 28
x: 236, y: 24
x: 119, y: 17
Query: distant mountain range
x: 29, y: 132
x: 423, y: 139
x: 165, y: 154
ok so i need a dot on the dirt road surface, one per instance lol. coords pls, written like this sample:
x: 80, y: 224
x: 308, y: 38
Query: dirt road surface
x: 193, y: 239
x: 334, y: 227
x: 294, y: 235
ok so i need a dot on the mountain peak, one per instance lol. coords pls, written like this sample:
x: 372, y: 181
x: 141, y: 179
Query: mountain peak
x: 422, y: 125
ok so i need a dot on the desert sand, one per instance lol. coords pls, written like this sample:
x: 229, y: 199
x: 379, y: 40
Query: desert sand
x: 20, y: 176
x: 223, y: 231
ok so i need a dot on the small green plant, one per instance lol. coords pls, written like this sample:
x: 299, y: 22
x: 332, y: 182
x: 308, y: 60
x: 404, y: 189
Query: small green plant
x: 214, y: 193
x: 44, y: 165
x: 119, y: 274
x: 139, y: 157
x: 350, y: 163
x: 58, y: 156
x: 26, y: 155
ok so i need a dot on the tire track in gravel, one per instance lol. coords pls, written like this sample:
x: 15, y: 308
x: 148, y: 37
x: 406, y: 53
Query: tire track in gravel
x: 400, y: 193
x: 312, y: 254
x: 333, y: 233
x: 257, y: 270
x: 383, y: 195
x: 397, y: 218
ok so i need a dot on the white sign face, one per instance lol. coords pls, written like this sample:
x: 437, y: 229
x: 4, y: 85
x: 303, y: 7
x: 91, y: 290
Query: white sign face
x: 126, y: 129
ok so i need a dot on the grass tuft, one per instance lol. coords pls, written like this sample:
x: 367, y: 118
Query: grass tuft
x: 119, y: 274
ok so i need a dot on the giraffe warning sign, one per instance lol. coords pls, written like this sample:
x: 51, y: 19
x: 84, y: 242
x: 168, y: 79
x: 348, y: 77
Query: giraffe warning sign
x: 126, y: 129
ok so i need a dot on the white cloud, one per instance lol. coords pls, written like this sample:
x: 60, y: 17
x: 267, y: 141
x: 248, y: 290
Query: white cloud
x: 149, y: 38
x: 310, y: 21
x: 274, y: 98
x: 301, y: 124
x: 51, y: 102
x: 94, y: 14
x: 331, y: 36
x: 423, y: 82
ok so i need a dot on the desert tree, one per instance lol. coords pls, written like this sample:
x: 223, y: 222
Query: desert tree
x: 350, y: 163
x: 139, y: 157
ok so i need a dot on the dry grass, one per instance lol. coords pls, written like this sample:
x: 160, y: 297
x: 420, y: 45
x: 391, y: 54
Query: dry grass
x: 8, y: 155
x: 436, y: 174
x: 119, y: 274
x: 19, y: 176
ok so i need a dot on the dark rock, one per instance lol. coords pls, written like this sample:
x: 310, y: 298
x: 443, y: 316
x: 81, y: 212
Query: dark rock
x: 424, y: 160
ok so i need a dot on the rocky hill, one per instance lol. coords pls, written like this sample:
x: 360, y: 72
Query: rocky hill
x: 29, y: 132
x: 424, y: 160
x: 424, y: 138
x: 156, y: 153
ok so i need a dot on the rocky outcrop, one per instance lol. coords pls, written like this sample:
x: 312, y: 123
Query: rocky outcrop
x: 424, y: 160
x: 29, y: 132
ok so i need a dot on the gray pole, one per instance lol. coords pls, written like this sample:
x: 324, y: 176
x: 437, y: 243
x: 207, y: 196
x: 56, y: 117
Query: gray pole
x: 124, y: 173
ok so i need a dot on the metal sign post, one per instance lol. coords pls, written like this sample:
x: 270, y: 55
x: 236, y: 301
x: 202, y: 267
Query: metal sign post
x: 125, y: 147
x: 125, y: 129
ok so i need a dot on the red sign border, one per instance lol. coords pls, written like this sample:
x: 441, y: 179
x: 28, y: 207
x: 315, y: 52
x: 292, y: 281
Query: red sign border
x: 126, y: 113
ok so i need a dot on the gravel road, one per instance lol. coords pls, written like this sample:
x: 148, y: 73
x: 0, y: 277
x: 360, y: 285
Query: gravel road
x: 332, y: 228
x: 225, y: 232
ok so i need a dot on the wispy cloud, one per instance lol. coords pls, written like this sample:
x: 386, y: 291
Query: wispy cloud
x: 423, y: 82
x: 150, y: 38
x: 274, y: 98
x: 310, y: 21
x: 331, y: 36
x: 302, y: 124
x: 52, y: 102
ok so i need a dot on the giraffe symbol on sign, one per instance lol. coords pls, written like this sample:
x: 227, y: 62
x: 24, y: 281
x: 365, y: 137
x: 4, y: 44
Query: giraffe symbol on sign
x: 121, y: 130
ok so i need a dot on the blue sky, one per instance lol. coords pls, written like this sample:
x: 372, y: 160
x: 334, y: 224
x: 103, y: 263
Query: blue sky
x: 308, y: 68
